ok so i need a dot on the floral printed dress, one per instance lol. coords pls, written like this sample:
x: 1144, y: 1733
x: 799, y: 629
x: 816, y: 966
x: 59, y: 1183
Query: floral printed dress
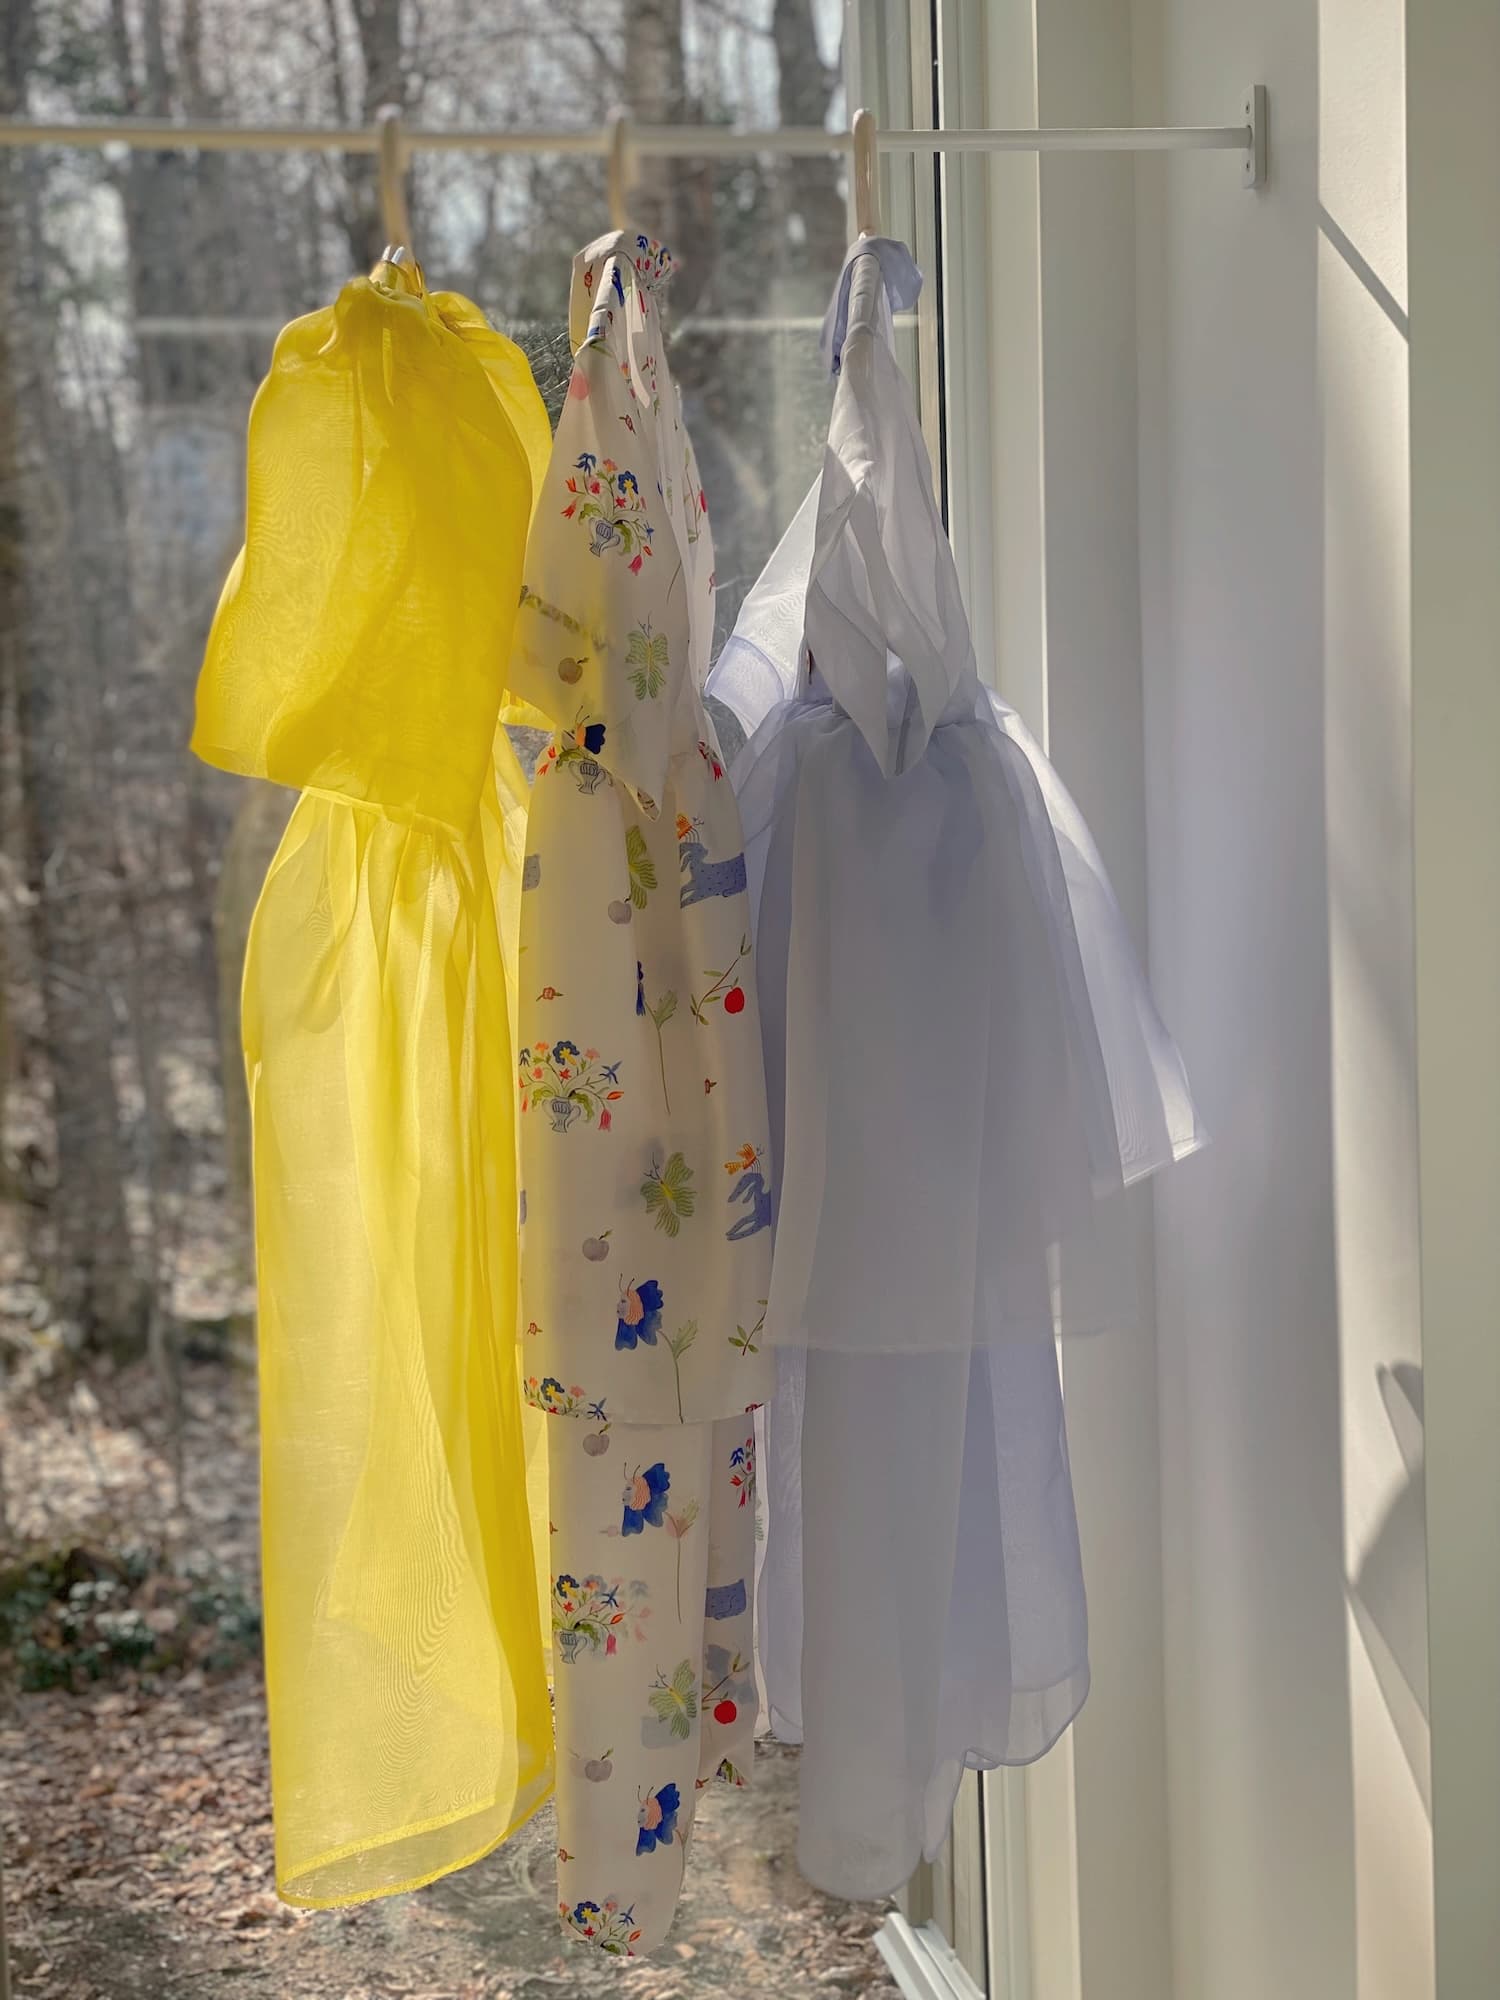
x: 645, y: 1178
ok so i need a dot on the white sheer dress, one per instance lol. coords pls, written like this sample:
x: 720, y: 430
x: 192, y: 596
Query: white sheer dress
x: 964, y: 1063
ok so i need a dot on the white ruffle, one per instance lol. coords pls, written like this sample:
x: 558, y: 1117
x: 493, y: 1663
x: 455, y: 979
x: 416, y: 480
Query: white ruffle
x: 961, y: 1051
x: 920, y: 1606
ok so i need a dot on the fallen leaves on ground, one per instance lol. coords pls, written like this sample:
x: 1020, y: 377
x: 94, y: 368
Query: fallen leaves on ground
x: 135, y: 1816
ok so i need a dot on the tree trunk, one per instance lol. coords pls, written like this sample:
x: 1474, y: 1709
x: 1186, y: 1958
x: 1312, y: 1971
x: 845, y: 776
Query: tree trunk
x: 379, y: 26
x: 804, y: 90
x: 71, y: 874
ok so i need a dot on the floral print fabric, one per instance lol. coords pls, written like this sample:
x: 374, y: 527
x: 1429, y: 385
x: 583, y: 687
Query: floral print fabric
x: 654, y: 1681
x: 642, y: 1097
x: 646, y: 1204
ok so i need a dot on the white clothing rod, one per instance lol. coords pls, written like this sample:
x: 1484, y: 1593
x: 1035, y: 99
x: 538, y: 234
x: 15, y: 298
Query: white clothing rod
x: 679, y: 141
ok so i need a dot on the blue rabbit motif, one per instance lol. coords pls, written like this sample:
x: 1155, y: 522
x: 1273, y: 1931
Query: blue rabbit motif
x: 725, y: 1600
x: 707, y: 878
x: 750, y: 1188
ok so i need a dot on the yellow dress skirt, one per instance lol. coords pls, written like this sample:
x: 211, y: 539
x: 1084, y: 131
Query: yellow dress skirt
x: 358, y: 653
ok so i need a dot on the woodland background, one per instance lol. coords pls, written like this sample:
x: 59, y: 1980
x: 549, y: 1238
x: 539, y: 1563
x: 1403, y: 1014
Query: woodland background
x: 142, y: 295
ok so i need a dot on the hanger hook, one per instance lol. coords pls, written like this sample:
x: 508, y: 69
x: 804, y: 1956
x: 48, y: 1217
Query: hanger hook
x: 617, y: 169
x: 866, y: 133
x: 394, y: 218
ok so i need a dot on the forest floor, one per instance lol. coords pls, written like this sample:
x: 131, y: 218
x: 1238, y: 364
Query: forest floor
x: 134, y: 1810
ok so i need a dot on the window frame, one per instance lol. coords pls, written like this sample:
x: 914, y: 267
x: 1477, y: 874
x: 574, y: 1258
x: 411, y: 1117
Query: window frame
x: 1017, y: 1904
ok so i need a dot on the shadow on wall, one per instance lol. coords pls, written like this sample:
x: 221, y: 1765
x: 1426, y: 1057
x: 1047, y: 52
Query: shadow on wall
x: 1388, y: 1593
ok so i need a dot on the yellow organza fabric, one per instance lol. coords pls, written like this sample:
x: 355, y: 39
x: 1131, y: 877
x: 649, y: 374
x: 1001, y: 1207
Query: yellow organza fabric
x: 360, y: 641
x: 359, y: 651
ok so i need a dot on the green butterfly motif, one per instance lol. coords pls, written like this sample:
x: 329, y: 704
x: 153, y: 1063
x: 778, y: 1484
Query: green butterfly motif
x: 646, y: 661
x: 668, y: 1190
x: 642, y: 867
x: 675, y: 1701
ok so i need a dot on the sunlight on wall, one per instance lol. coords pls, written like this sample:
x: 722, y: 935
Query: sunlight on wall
x: 1362, y: 357
x: 1277, y: 652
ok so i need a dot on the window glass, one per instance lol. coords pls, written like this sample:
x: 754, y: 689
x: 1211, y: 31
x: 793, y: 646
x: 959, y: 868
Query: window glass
x: 146, y: 290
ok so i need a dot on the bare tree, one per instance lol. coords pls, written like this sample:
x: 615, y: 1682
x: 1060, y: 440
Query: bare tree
x: 72, y: 873
x: 150, y: 285
x: 805, y: 87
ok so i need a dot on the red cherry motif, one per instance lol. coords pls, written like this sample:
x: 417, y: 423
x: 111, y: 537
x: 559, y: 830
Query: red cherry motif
x: 725, y: 1711
x: 734, y: 1000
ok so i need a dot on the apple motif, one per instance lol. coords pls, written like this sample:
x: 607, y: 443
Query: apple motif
x: 596, y: 1248
x: 570, y: 671
x: 725, y: 1711
x: 596, y: 1444
x: 734, y: 1000
x: 597, y: 1769
x: 619, y: 912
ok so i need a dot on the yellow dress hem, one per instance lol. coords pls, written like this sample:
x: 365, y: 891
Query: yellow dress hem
x: 288, y: 1895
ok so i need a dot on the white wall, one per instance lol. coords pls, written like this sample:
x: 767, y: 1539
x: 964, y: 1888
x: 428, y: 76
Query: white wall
x: 1275, y: 547
x: 1094, y: 733
x: 1453, y: 60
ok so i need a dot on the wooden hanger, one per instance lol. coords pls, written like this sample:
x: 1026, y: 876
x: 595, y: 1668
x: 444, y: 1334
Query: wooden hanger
x: 395, y: 218
x: 617, y: 165
x: 866, y: 174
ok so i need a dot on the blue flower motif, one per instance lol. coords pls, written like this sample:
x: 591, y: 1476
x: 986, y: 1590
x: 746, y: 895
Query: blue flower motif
x: 639, y: 1314
x: 657, y: 1819
x: 619, y: 283
x: 640, y: 989
x: 565, y: 1584
x: 586, y: 1913
x: 645, y: 1498
x: 585, y: 462
x: 593, y: 738
x: 567, y: 1055
x: 627, y: 482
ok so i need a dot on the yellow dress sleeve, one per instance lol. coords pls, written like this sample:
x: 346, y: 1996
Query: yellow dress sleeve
x: 360, y: 639
x: 358, y: 652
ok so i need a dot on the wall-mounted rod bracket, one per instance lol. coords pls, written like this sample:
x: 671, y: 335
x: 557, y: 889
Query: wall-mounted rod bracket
x: 1253, y: 172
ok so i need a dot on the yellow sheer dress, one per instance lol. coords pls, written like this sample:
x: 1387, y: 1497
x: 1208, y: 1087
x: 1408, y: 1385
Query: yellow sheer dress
x: 358, y: 653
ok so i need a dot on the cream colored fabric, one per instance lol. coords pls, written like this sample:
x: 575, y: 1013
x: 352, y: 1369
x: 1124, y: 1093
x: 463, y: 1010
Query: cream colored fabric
x: 647, y: 1189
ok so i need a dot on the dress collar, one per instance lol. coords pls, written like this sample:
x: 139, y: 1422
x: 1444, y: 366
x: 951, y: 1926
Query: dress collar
x: 605, y: 267
x: 903, y: 283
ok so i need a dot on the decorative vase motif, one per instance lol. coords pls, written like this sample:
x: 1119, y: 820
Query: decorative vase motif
x: 564, y: 1111
x: 590, y: 774
x: 569, y: 1641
